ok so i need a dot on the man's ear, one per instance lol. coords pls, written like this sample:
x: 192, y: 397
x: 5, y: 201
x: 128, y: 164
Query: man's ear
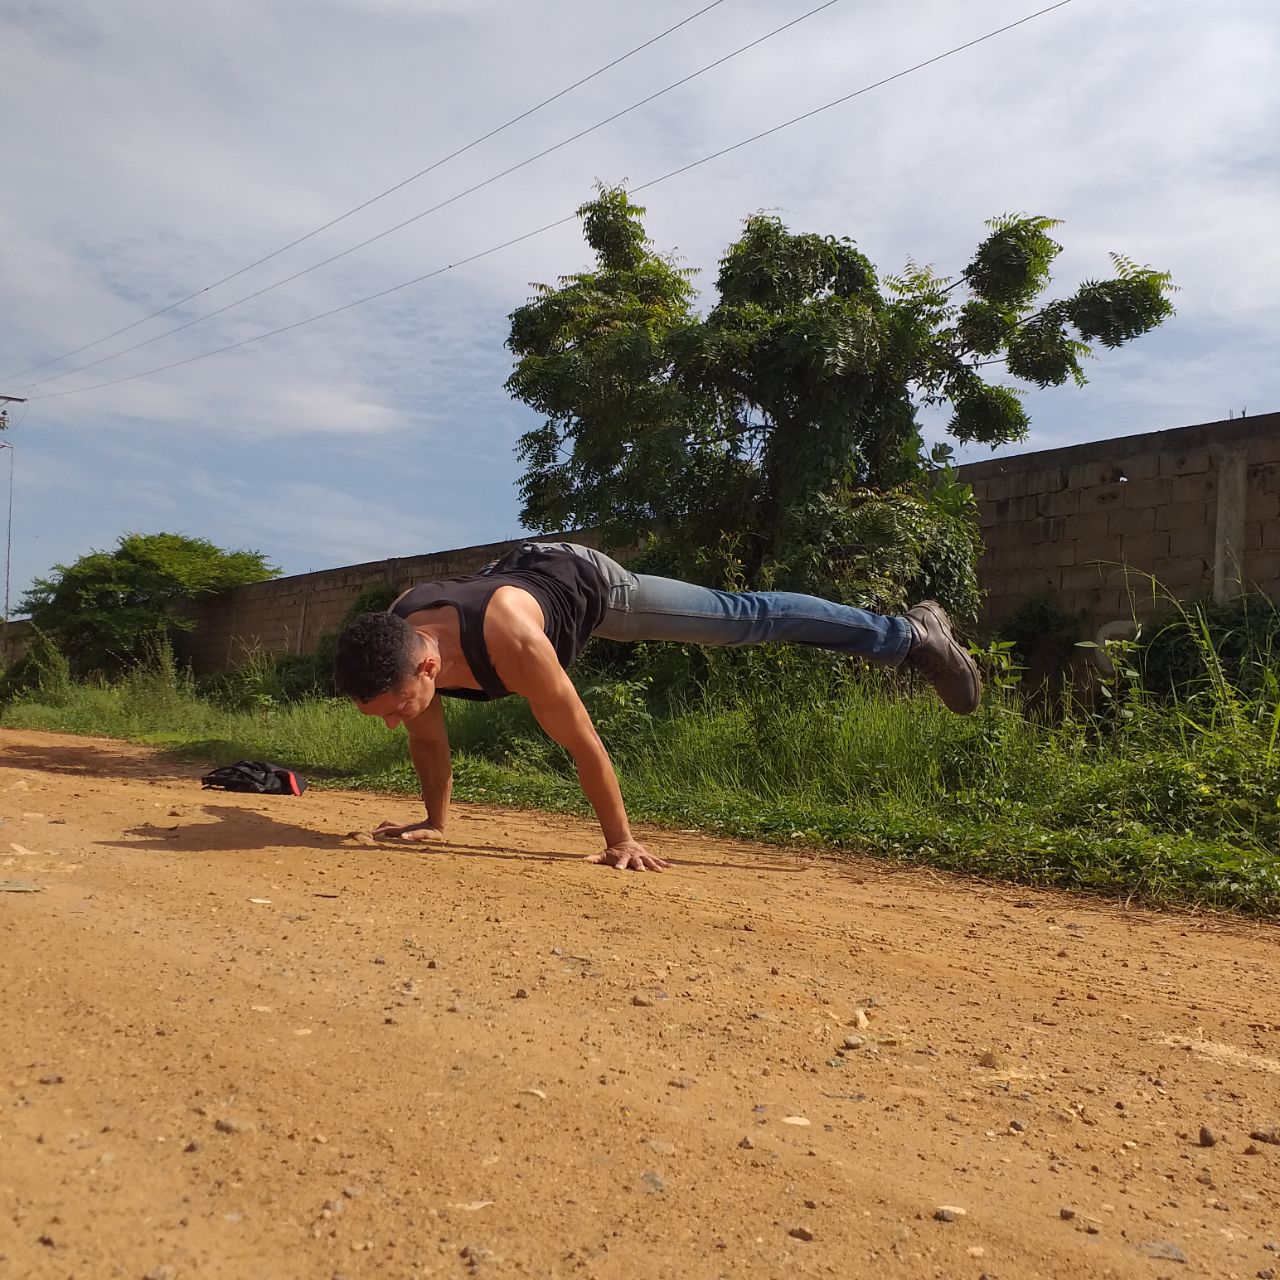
x: 428, y: 663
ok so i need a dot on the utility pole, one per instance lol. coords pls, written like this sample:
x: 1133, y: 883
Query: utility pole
x: 8, y: 537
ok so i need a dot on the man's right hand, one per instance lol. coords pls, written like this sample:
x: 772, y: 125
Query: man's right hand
x: 414, y: 832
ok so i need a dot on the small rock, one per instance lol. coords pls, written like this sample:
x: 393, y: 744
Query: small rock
x: 991, y: 1059
x: 860, y: 1019
x: 746, y: 1144
x: 431, y: 964
x: 521, y: 994
x: 853, y: 1042
x: 800, y: 1233
x: 1017, y: 1126
x: 379, y: 959
x: 1207, y: 1137
x: 1253, y: 1150
x: 1163, y: 1249
x: 652, y: 1182
x: 642, y: 1002
x: 1266, y: 1273
x: 1066, y: 1213
x: 682, y: 1082
x: 352, y: 1192
x: 163, y: 1272
x: 232, y: 1124
x: 1269, y: 1136
x: 797, y: 1120
x: 948, y: 1213
x: 662, y: 1148
x: 50, y: 1079
x: 191, y: 1147
x: 1092, y: 1228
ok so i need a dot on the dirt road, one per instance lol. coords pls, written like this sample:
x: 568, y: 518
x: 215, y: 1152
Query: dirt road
x: 237, y: 1043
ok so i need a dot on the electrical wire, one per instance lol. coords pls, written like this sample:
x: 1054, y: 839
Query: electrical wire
x: 333, y: 222
x: 528, y: 235
x: 417, y: 217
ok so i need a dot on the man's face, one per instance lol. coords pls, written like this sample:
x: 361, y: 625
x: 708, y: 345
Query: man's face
x: 405, y: 701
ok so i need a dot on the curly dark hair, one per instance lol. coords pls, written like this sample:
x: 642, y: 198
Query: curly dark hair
x: 373, y: 654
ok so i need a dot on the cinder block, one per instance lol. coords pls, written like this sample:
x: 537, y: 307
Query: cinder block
x: 1183, y: 515
x: 1087, y: 525
x: 1011, y: 510
x: 1063, y: 502
x: 1098, y: 606
x: 1264, y: 478
x: 1130, y: 520
x: 1049, y: 481
x: 1194, y: 488
x: 1185, y: 462
x: 1144, y: 549
x: 1146, y: 493
x: 1186, y: 575
x: 1265, y: 448
x: 1035, y: 582
x: 1048, y: 555
x: 1098, y: 550
x: 1002, y: 535
x: 1196, y: 541
x: 1015, y: 555
x: 1089, y: 474
x: 1104, y: 497
x: 1263, y: 569
x: 1083, y: 577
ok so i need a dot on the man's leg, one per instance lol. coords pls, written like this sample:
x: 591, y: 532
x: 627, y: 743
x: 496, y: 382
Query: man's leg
x: 665, y: 609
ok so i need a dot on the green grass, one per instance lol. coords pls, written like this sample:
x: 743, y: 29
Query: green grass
x: 1160, y: 800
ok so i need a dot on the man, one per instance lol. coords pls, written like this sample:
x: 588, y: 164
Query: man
x: 517, y: 625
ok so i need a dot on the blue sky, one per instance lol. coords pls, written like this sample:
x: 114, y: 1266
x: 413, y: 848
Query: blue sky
x: 152, y: 148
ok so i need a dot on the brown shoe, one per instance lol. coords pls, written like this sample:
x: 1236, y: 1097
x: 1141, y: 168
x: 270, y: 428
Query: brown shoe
x: 937, y: 655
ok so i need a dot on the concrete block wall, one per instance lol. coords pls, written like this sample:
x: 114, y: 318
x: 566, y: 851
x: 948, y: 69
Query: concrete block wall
x: 1196, y: 507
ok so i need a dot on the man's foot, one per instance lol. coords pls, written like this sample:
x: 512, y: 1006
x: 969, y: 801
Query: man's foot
x: 937, y: 655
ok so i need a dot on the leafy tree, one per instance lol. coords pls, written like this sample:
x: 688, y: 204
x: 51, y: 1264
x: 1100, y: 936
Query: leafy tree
x: 786, y: 416
x: 107, y: 606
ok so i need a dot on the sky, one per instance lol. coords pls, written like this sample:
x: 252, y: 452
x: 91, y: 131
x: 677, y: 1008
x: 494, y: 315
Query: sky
x: 151, y: 149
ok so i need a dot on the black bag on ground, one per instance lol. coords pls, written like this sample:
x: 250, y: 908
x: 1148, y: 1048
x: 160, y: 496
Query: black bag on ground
x: 257, y: 776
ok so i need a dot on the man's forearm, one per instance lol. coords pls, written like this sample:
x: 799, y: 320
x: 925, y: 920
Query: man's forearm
x: 435, y: 775
x: 599, y: 784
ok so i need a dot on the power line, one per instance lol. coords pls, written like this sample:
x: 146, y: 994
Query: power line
x: 559, y: 222
x: 417, y: 217
x: 333, y: 222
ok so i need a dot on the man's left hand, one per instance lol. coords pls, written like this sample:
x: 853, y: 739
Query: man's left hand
x: 628, y: 855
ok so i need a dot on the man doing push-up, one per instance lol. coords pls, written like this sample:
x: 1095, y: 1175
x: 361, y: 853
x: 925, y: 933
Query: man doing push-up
x: 516, y: 626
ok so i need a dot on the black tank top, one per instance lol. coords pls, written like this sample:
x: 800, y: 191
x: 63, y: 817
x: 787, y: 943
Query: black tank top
x: 569, y: 588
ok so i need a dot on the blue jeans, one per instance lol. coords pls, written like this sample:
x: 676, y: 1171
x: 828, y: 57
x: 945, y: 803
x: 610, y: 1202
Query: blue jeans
x: 642, y: 607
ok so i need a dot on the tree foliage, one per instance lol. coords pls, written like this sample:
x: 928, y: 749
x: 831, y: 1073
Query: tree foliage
x: 108, y: 605
x: 785, y: 417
